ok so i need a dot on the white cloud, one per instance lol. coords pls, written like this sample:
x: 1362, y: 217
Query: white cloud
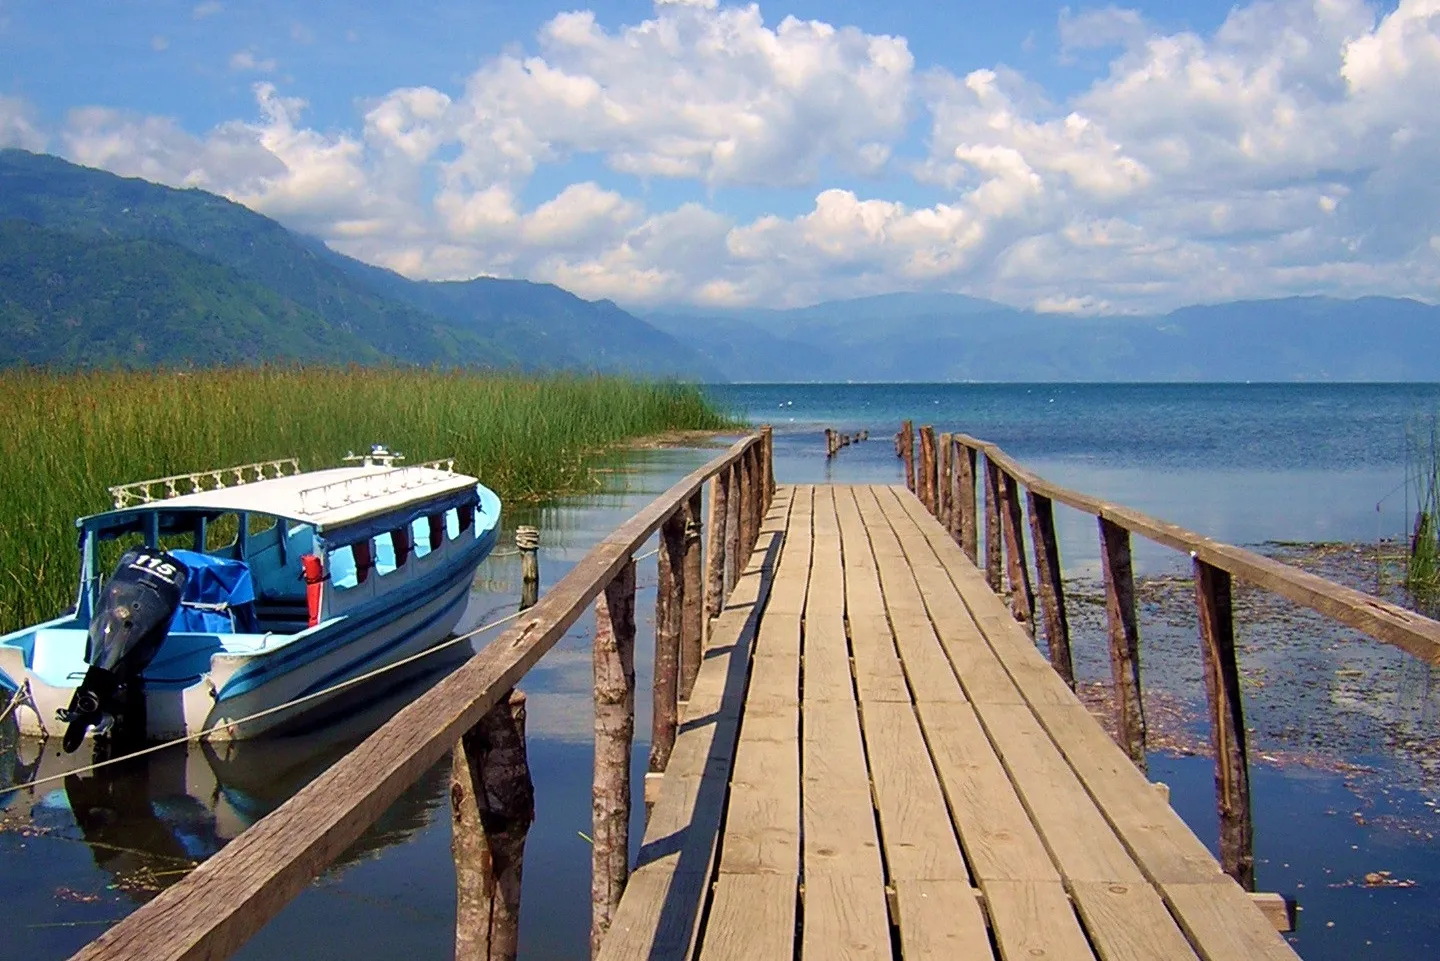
x: 18, y: 127
x: 159, y: 44
x: 1291, y: 150
x: 207, y: 9
x: 246, y: 61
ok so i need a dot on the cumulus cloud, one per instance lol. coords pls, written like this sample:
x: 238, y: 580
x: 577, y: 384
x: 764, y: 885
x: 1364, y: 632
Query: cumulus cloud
x: 246, y: 61
x: 1288, y: 151
x: 207, y: 9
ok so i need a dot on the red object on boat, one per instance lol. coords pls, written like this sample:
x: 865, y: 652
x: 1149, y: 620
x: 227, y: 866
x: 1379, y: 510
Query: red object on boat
x: 314, y: 575
x: 437, y: 531
x: 361, y: 549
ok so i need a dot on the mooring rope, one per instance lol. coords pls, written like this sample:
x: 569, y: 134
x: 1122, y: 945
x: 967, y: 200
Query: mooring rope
x: 165, y: 745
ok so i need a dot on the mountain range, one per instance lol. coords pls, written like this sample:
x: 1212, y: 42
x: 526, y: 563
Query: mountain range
x: 101, y: 270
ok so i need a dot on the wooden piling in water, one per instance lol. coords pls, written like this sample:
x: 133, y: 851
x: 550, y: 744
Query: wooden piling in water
x: 1012, y: 521
x: 969, y: 521
x: 1227, y: 723
x: 715, y: 539
x: 692, y: 615
x: 614, y: 739
x: 1124, y: 639
x: 907, y: 451
x: 527, y: 542
x: 1051, y: 585
x: 669, y: 606
x: 992, y: 526
x: 926, y: 481
x: 492, y: 804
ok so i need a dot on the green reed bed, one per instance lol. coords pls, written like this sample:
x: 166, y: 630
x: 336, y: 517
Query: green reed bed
x: 67, y: 437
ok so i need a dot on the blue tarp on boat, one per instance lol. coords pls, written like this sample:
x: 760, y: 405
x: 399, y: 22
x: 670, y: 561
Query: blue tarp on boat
x: 219, y: 596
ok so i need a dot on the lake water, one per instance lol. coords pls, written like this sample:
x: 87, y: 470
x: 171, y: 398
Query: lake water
x: 1243, y: 463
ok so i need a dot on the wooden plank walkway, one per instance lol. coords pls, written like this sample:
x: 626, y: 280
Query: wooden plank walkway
x: 876, y: 762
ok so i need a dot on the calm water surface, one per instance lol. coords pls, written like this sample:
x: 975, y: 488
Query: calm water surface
x: 1243, y: 463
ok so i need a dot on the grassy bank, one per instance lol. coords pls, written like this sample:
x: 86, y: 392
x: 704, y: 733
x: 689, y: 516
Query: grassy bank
x: 66, y: 437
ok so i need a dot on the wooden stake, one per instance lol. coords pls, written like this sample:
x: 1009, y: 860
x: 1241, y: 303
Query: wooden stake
x: 734, y: 565
x: 1022, y: 596
x: 957, y: 515
x: 943, y: 485
x: 969, y: 522
x: 715, y: 562
x: 692, y: 616
x: 747, y: 508
x: 767, y: 474
x: 669, y: 603
x: 926, y: 481
x: 1227, y: 723
x: 492, y: 803
x: 992, y: 526
x: 907, y: 451
x: 1052, y: 588
x: 614, y: 738
x: 1124, y: 639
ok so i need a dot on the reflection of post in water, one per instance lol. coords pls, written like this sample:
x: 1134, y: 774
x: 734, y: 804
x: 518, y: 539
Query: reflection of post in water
x: 527, y: 539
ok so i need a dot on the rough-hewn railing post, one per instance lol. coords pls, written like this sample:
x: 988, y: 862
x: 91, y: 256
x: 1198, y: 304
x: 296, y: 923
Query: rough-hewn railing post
x: 1012, y: 520
x: 992, y: 526
x: 669, y: 603
x: 492, y: 802
x: 969, y: 521
x: 1052, y: 588
x: 1227, y: 723
x: 614, y: 738
x: 907, y: 451
x: 692, y: 616
x: 734, y: 563
x: 944, y: 476
x: 926, y: 481
x: 768, y: 433
x: 747, y: 509
x: 715, y: 541
x: 1124, y: 639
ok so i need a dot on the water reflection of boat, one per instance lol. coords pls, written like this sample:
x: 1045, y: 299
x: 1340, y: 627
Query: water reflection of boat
x: 148, y: 820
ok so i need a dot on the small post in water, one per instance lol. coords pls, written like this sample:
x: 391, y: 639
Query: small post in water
x: 492, y: 803
x: 527, y: 540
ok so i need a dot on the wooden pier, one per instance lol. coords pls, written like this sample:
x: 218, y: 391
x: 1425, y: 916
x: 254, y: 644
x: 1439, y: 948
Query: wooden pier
x: 858, y: 749
x: 875, y: 755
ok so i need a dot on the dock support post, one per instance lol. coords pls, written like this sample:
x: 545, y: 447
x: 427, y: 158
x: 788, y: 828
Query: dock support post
x: 715, y: 561
x: 527, y: 541
x: 907, y: 451
x: 669, y: 603
x: 614, y: 738
x: 1012, y: 520
x: 944, y: 487
x: 768, y: 475
x: 1052, y: 587
x: 1124, y: 639
x: 492, y: 803
x: 969, y: 521
x: 926, y: 480
x: 692, y: 615
x: 734, y: 565
x: 992, y: 525
x: 1227, y: 723
x: 747, y: 508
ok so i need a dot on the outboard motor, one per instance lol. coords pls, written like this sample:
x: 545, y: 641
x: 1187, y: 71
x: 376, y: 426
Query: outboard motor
x: 130, y: 622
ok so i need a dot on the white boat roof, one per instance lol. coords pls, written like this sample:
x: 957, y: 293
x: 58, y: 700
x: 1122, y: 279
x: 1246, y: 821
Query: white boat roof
x: 326, y: 498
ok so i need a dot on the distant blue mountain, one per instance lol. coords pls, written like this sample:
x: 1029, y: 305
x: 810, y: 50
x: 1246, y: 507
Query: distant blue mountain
x: 949, y: 337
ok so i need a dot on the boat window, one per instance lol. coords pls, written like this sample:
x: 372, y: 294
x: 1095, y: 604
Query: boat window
x: 385, y: 560
x: 452, y: 523
x: 260, y: 523
x: 420, y: 536
x: 222, y: 532
x: 342, y: 568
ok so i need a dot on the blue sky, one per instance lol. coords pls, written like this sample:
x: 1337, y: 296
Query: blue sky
x: 1082, y: 159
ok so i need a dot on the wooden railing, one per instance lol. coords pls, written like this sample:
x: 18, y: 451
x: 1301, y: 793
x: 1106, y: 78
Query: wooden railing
x: 946, y: 478
x: 477, y: 714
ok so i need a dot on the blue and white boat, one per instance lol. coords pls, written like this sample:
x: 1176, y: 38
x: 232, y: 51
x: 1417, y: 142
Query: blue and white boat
x: 241, y: 590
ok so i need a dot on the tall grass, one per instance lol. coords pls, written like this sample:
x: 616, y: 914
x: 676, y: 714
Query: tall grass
x: 1422, y: 562
x: 64, y: 438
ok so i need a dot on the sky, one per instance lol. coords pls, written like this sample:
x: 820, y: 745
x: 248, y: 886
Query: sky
x: 1073, y: 159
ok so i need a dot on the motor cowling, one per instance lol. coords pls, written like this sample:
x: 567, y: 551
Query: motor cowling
x: 129, y: 624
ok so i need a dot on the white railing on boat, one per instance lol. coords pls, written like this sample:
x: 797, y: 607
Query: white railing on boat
x: 367, y: 486
x: 143, y: 492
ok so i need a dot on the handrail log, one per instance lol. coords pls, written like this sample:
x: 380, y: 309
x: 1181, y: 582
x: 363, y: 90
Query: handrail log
x: 229, y: 897
x: 1382, y: 620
